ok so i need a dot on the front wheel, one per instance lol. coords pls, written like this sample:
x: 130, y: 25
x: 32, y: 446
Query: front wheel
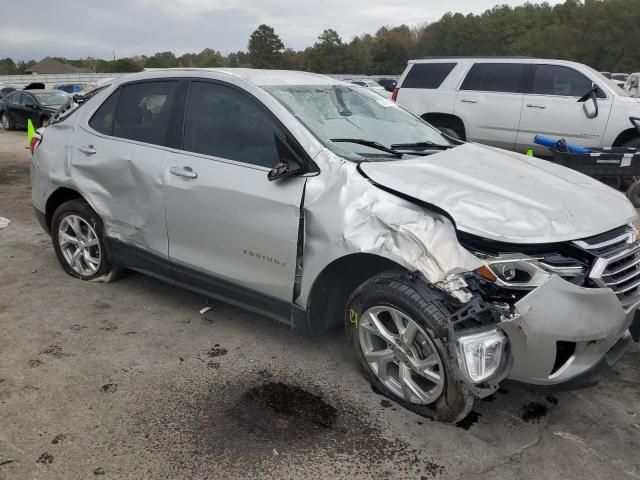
x: 396, y: 324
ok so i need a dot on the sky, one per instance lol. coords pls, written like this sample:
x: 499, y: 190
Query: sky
x: 97, y: 28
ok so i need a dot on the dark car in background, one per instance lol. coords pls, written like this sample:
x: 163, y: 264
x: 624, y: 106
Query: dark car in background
x: 4, y: 91
x: 388, y: 83
x: 19, y: 106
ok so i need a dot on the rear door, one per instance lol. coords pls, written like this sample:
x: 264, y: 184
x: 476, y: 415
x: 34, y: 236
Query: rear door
x: 551, y: 108
x: 489, y: 102
x: 14, y: 107
x: 228, y: 224
x: 118, y: 160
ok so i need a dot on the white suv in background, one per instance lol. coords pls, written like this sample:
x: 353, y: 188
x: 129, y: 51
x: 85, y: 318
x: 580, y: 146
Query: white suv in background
x: 633, y: 85
x: 506, y: 102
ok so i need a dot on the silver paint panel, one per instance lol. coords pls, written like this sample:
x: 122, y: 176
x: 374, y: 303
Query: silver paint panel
x: 560, y: 311
x: 506, y: 196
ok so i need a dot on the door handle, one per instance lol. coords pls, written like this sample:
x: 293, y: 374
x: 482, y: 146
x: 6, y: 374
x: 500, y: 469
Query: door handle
x: 469, y: 100
x: 533, y: 105
x: 88, y: 150
x: 184, y: 172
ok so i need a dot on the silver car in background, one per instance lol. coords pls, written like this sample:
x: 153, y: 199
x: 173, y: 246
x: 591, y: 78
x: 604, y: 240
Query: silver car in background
x: 453, y: 266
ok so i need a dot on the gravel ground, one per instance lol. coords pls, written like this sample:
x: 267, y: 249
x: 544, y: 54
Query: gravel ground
x: 129, y: 381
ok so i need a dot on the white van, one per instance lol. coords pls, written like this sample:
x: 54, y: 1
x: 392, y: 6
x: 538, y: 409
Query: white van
x: 506, y: 102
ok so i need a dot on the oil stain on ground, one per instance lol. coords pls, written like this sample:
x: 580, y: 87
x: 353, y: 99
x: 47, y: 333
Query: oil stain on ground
x: 270, y: 427
x: 467, y: 422
x: 533, y: 412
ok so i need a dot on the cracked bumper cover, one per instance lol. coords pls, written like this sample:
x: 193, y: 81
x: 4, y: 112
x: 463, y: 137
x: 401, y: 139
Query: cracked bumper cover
x: 592, y: 318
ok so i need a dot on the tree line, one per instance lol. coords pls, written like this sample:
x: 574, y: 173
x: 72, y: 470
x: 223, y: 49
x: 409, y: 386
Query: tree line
x: 600, y: 33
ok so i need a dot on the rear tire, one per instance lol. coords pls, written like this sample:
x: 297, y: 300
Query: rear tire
x: 7, y: 121
x: 396, y: 327
x: 76, y: 231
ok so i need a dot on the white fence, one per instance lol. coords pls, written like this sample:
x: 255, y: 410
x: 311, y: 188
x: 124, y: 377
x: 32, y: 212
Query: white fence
x: 20, y: 81
x: 50, y: 80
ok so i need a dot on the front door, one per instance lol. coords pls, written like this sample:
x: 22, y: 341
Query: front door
x: 227, y: 222
x: 551, y: 108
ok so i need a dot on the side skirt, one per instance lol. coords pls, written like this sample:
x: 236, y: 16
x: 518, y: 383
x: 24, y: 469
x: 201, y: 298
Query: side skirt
x: 137, y: 259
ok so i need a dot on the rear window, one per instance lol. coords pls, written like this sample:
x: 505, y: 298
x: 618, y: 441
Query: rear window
x: 427, y: 75
x: 143, y: 111
x: 496, y: 77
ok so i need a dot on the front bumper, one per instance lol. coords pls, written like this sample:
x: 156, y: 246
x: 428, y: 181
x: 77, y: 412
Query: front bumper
x: 592, y: 320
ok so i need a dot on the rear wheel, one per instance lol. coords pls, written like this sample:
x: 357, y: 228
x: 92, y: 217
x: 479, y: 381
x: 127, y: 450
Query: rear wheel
x: 7, y: 121
x: 76, y: 232
x: 396, y: 328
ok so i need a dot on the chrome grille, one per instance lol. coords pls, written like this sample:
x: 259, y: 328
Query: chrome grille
x: 617, y: 264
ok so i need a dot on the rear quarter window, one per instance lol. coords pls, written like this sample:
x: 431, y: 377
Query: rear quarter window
x: 427, y: 75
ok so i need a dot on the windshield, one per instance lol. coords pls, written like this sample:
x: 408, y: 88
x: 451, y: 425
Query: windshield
x: 50, y: 98
x: 607, y: 81
x: 351, y: 112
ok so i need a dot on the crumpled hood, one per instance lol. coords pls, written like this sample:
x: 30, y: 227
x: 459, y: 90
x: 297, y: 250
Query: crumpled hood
x: 507, y: 196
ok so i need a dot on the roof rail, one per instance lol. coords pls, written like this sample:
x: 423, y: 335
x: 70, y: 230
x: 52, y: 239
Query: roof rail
x: 473, y: 56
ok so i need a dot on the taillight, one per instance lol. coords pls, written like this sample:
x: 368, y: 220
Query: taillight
x: 394, y: 95
x: 33, y: 145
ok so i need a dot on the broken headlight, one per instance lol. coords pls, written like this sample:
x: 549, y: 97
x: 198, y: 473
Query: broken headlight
x: 480, y: 354
x: 521, y: 271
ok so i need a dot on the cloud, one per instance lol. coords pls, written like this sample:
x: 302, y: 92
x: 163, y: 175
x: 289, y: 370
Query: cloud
x: 96, y: 28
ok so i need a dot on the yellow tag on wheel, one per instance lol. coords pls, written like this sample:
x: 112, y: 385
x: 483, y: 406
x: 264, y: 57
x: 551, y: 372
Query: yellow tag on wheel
x: 353, y: 316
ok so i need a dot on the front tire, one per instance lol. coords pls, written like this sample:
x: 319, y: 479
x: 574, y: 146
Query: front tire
x: 76, y: 231
x: 396, y: 326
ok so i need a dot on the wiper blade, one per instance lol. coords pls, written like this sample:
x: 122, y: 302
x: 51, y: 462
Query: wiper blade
x: 368, y: 143
x: 422, y: 145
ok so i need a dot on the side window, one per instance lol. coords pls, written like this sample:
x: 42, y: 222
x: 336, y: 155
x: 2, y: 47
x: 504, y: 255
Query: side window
x: 496, y: 77
x: 27, y: 99
x: 558, y: 80
x: 102, y: 120
x: 15, y: 99
x: 227, y: 123
x: 144, y: 110
x: 427, y: 75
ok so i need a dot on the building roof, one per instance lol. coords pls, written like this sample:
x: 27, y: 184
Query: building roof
x: 51, y: 65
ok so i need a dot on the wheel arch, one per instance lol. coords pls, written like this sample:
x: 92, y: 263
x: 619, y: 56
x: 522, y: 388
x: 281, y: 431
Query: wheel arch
x: 626, y: 136
x: 331, y: 289
x: 57, y: 198
x: 447, y: 120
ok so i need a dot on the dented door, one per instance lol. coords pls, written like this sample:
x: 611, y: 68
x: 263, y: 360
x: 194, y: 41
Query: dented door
x: 123, y: 182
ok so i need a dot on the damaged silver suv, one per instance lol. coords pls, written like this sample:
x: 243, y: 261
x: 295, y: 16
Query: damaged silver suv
x: 454, y: 266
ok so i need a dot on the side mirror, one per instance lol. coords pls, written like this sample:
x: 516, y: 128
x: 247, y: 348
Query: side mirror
x: 30, y: 105
x: 289, y: 163
x: 590, y: 103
